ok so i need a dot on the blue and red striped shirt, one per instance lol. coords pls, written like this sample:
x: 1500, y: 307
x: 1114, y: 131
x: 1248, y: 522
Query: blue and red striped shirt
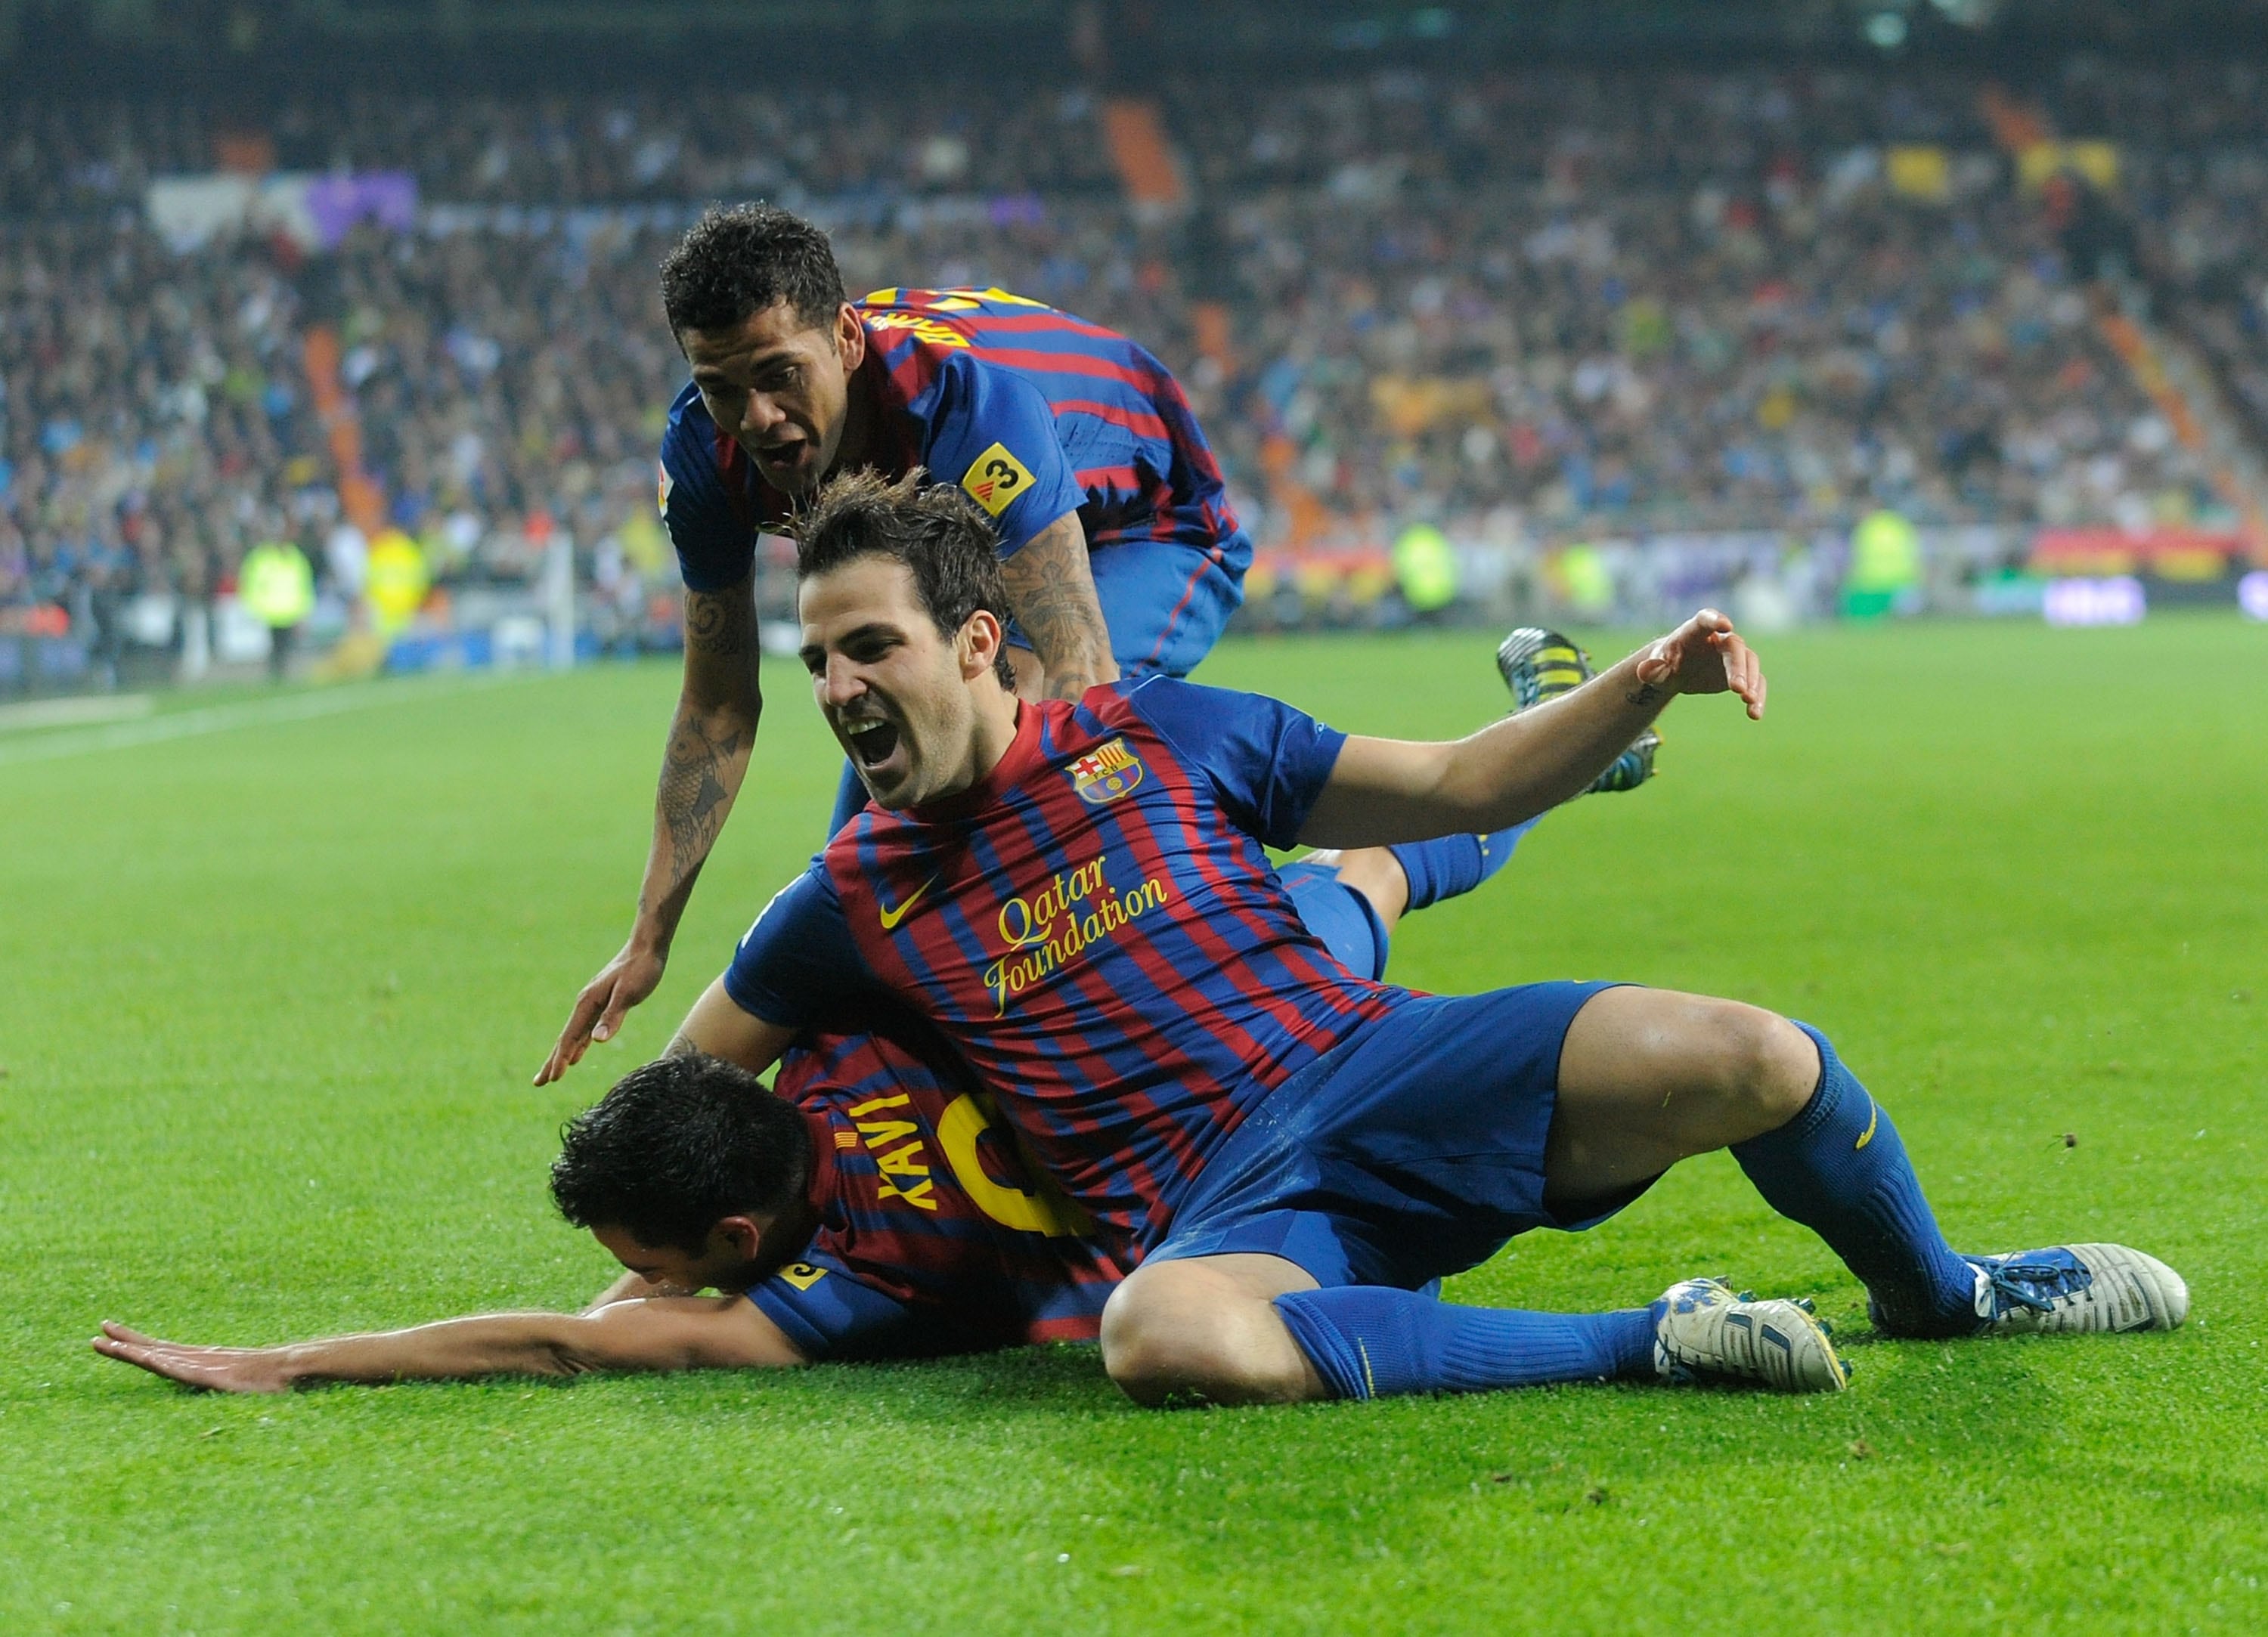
x: 1035, y: 412
x: 933, y: 1236
x: 1096, y: 929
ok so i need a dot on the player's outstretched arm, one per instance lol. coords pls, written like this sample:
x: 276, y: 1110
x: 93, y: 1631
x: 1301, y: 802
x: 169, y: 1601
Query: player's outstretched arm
x: 1388, y: 790
x: 707, y: 758
x: 667, y: 1333
x: 1051, y: 593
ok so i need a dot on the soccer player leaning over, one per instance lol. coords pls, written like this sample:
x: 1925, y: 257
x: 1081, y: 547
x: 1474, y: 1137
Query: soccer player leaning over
x: 1076, y: 896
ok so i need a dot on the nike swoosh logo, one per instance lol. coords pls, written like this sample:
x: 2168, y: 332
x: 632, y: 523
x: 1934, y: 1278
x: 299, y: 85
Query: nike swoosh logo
x: 1874, y: 1118
x: 891, y: 917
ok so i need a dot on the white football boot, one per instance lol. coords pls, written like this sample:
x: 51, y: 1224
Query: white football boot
x: 2077, y: 1287
x: 1706, y: 1333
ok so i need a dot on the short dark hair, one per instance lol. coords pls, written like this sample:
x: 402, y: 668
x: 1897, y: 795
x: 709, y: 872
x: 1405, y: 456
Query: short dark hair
x: 735, y: 263
x: 935, y: 528
x: 676, y: 1146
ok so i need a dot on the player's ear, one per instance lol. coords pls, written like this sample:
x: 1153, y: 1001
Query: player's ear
x: 979, y: 643
x: 740, y: 1235
x: 849, y: 337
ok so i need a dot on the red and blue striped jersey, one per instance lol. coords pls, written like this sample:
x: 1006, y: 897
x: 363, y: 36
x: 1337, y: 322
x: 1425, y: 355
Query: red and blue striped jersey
x: 932, y: 1235
x: 1096, y: 929
x: 1035, y: 412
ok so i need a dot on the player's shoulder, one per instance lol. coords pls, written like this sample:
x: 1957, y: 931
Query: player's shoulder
x: 688, y: 444
x: 687, y: 425
x: 1167, y: 703
x: 952, y: 305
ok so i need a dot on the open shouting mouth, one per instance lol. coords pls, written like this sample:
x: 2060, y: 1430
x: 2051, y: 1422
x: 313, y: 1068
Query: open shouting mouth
x: 873, y: 742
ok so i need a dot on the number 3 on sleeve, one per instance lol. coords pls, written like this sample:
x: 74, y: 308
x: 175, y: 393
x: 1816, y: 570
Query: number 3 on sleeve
x: 995, y: 477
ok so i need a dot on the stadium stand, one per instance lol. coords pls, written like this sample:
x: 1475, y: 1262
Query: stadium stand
x: 1534, y: 308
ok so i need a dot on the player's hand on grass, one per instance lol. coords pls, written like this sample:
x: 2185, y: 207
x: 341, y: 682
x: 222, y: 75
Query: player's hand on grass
x: 1706, y: 655
x: 625, y: 980
x: 217, y: 1369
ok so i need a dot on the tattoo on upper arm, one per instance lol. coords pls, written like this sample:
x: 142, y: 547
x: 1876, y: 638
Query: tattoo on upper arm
x: 1051, y: 589
x: 719, y: 623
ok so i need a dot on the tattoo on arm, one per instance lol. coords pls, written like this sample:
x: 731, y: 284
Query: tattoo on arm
x: 1051, y: 589
x: 694, y: 795
x: 1644, y: 693
x: 717, y: 623
x: 708, y: 740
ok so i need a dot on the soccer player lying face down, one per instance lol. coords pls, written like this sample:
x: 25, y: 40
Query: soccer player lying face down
x: 903, y: 607
x: 691, y: 1173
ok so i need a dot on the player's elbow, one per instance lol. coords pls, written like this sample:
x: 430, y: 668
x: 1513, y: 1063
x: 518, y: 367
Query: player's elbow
x: 723, y: 692
x: 620, y: 1337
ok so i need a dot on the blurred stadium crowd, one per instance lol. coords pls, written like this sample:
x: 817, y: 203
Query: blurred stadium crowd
x: 1530, y: 308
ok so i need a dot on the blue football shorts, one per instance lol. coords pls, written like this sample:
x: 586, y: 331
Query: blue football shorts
x: 1412, y: 1152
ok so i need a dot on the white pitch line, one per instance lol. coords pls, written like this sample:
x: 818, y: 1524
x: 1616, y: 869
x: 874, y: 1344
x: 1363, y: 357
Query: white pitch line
x: 328, y: 701
x: 77, y: 710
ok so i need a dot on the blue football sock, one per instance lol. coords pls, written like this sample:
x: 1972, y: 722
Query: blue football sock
x: 1368, y: 1341
x: 1839, y: 1169
x: 1451, y: 864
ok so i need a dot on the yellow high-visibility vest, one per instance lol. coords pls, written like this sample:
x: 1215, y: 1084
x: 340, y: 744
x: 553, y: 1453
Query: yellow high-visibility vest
x: 1425, y: 566
x: 394, y: 580
x: 277, y: 584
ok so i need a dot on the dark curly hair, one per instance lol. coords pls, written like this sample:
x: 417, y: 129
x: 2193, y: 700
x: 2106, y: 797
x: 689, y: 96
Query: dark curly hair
x: 676, y: 1146
x: 935, y: 528
x: 735, y: 263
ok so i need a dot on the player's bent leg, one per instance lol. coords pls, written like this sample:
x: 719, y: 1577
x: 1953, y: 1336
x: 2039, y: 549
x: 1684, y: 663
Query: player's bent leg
x: 1203, y: 1330
x: 1206, y: 1329
x: 1840, y: 1168
x: 1648, y: 1077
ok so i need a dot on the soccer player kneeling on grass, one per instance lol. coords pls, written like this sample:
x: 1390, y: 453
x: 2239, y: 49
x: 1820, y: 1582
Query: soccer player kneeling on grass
x: 1075, y: 894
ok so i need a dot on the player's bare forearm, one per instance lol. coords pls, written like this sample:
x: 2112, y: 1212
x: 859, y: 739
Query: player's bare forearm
x: 670, y: 1333
x: 709, y: 737
x: 1051, y: 593
x: 1388, y: 790
x: 701, y: 774
x: 707, y: 756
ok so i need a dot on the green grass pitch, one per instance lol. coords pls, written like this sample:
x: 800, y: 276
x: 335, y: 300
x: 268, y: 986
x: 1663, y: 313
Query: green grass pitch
x: 270, y: 997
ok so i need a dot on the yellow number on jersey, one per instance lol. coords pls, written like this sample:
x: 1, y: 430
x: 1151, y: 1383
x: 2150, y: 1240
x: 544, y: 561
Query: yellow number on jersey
x: 995, y: 477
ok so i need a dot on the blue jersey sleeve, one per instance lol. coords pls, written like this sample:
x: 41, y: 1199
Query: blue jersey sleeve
x: 993, y: 432
x: 1266, y: 762
x: 830, y: 1313
x: 799, y: 957
x: 716, y: 546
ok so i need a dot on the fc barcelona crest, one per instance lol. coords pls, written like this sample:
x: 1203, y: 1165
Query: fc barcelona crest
x: 1106, y: 773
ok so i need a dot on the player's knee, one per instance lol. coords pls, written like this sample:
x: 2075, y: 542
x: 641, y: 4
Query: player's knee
x: 1763, y: 1069
x: 1168, y: 1340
